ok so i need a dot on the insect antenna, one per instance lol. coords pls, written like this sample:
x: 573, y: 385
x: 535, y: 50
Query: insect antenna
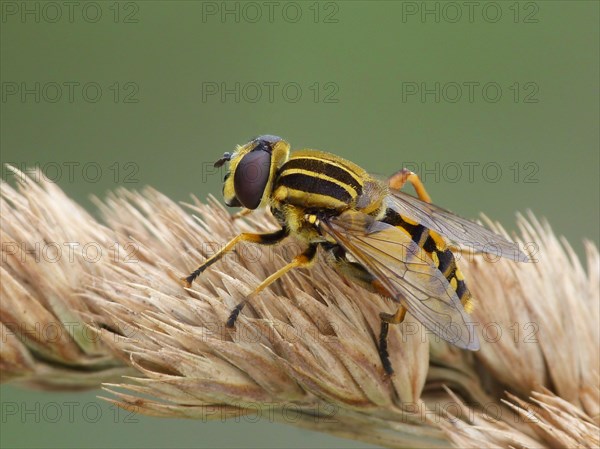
x: 226, y: 158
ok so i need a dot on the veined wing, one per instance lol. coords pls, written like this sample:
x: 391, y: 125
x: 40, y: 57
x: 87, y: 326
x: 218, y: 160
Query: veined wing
x: 455, y: 228
x: 406, y: 271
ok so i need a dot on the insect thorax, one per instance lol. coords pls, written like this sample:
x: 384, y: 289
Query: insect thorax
x: 317, y: 180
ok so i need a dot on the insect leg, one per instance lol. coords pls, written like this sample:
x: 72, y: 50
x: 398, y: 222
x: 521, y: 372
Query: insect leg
x: 398, y: 179
x: 386, y: 320
x: 304, y: 260
x: 241, y: 214
x: 359, y: 274
x: 262, y: 239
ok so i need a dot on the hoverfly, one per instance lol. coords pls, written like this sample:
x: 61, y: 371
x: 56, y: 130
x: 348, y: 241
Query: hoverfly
x: 390, y: 242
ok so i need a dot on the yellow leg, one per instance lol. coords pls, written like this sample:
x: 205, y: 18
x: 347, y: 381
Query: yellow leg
x: 395, y: 318
x: 241, y: 214
x: 386, y: 320
x: 397, y: 181
x: 304, y: 260
x: 262, y: 239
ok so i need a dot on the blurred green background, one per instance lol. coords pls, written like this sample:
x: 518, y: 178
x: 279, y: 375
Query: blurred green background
x: 496, y: 105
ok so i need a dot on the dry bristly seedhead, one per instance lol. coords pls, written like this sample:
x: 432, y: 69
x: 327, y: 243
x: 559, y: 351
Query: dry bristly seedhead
x: 86, y: 304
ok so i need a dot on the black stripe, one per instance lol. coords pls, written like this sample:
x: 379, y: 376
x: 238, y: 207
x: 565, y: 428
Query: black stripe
x: 274, y: 237
x: 461, y: 288
x: 429, y: 245
x: 452, y: 270
x: 446, y: 259
x: 416, y: 231
x: 324, y: 167
x: 312, y: 184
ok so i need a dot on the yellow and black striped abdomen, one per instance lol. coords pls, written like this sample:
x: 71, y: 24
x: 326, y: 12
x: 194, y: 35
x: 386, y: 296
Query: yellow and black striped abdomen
x: 433, y: 244
x: 314, y: 179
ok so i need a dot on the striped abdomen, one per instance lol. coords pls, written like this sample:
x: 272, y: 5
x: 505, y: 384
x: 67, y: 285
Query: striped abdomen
x: 314, y: 179
x: 434, y: 245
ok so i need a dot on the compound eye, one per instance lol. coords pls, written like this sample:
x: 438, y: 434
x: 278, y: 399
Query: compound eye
x: 251, y: 177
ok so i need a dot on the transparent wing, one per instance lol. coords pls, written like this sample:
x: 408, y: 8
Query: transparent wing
x: 464, y: 232
x: 406, y: 272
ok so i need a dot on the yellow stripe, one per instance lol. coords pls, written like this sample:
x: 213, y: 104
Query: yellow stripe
x: 440, y: 243
x: 404, y: 230
x: 298, y: 171
x: 468, y: 303
x: 288, y: 194
x: 436, y: 259
x: 453, y: 284
x: 423, y: 238
x: 408, y: 220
